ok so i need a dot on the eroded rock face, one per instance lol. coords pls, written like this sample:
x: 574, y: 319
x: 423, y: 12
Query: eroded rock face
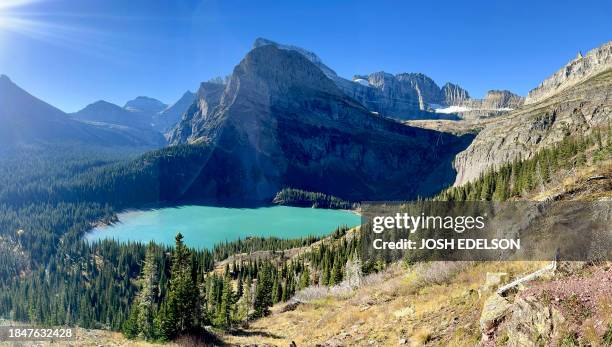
x: 281, y: 122
x: 576, y: 71
x: 454, y: 95
x: 426, y: 89
x: 525, y: 322
x: 523, y: 132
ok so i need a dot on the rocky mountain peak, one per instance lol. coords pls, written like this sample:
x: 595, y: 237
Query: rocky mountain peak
x: 579, y: 69
x: 453, y: 94
x: 428, y: 92
x: 281, y: 122
x: 260, y: 42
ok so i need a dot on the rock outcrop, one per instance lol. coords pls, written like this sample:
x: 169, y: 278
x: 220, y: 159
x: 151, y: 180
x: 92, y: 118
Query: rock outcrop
x: 282, y: 122
x: 495, y: 103
x: 576, y: 71
x: 501, y: 99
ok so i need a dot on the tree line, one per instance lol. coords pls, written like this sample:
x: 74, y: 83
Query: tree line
x: 302, y: 198
x: 189, y: 297
x: 521, y: 176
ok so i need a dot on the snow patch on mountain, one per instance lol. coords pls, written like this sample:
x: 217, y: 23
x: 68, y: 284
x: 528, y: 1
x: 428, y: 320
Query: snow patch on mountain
x: 362, y: 81
x: 452, y: 109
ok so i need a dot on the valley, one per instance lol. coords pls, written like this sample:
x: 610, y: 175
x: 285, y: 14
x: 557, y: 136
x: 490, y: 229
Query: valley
x: 230, y: 217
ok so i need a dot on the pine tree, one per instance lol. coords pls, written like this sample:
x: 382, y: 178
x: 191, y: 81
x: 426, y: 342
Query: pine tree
x: 325, y: 273
x: 263, y: 293
x: 182, y: 295
x: 244, y: 303
x: 148, y: 293
x: 239, y: 286
x: 224, y: 312
x: 130, y: 326
x: 304, y: 279
x: 336, y: 272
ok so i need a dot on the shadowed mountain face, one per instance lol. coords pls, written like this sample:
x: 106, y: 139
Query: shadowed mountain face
x: 26, y: 120
x: 281, y: 122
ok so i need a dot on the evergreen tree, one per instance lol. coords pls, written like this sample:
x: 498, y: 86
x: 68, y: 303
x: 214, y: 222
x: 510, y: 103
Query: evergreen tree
x: 180, y: 312
x: 263, y: 293
x: 304, y: 279
x: 224, y: 312
x: 336, y: 272
x: 146, y: 299
x: 130, y: 326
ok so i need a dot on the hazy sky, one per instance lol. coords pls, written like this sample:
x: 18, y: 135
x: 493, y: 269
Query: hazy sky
x: 73, y: 52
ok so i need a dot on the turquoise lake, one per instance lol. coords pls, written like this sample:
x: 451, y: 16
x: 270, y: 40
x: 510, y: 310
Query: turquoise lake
x: 205, y: 226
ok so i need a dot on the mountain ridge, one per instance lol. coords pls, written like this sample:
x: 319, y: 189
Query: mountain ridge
x: 26, y: 120
x: 408, y: 95
x: 579, y: 69
x: 577, y: 109
x: 280, y: 121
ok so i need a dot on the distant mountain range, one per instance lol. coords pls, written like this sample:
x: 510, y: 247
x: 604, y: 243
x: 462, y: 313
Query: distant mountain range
x: 26, y: 121
x: 143, y: 119
x: 285, y: 119
x: 142, y: 112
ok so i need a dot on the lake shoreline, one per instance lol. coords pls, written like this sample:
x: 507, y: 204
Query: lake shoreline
x: 206, y: 226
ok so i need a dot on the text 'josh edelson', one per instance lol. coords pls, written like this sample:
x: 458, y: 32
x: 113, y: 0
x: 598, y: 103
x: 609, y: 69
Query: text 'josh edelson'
x: 427, y: 232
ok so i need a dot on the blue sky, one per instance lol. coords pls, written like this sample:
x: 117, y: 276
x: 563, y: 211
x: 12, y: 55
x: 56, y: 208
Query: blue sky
x: 73, y: 52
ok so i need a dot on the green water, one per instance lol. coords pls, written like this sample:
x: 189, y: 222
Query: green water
x: 205, y: 226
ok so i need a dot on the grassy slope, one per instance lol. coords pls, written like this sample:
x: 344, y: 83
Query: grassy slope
x: 435, y: 304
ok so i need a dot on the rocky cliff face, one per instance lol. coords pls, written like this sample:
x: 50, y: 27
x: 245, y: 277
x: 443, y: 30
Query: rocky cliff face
x: 194, y: 120
x: 281, y: 122
x: 426, y: 89
x: 454, y: 95
x: 576, y: 71
x: 523, y: 132
x: 500, y: 99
